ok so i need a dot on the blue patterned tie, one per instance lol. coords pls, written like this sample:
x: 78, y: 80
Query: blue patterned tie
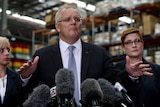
x: 72, y: 66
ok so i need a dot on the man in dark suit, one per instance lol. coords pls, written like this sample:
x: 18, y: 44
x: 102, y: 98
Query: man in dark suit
x: 92, y: 61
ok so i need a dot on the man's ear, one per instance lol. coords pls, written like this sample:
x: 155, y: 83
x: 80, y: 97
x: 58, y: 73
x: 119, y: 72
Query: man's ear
x: 57, y: 27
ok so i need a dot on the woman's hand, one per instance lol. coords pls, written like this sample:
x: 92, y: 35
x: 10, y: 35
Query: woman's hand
x: 138, y: 68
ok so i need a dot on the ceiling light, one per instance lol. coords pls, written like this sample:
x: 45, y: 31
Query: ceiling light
x: 13, y: 39
x: 29, y: 19
x: 80, y: 3
x: 8, y: 12
x: 67, y: 1
x: 16, y: 15
x: 77, y: 2
x: 126, y: 19
x: 41, y: 1
x: 91, y: 7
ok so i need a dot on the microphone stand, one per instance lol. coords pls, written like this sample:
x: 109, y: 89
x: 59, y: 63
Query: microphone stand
x: 66, y: 103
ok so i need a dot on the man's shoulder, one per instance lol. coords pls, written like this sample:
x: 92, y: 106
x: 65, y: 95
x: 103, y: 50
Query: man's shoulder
x: 47, y: 50
x: 48, y: 47
x: 94, y: 46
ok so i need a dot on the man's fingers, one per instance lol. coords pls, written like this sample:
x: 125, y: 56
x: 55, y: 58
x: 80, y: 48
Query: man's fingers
x: 36, y: 60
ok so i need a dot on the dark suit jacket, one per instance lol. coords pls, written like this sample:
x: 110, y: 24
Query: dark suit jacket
x: 12, y: 90
x: 146, y: 92
x: 95, y: 64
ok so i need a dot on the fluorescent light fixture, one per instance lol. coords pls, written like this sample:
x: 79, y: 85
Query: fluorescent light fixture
x: 67, y: 1
x: 16, y: 15
x: 13, y: 39
x: 24, y: 17
x: 126, y: 19
x: 7, y: 11
x: 41, y: 1
x: 29, y: 19
x: 80, y: 3
x: 91, y: 7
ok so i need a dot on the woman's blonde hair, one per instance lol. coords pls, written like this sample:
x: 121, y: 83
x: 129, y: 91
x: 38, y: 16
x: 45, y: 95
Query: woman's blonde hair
x: 4, y: 40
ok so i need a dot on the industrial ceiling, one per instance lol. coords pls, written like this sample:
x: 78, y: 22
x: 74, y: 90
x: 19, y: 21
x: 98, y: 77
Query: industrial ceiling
x: 22, y: 29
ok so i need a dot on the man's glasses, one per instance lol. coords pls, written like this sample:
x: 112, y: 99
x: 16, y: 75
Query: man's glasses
x: 130, y: 43
x: 69, y: 19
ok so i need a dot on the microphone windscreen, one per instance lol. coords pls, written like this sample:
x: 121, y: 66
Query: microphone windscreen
x: 64, y: 80
x: 90, y: 90
x: 40, y: 97
x: 110, y: 94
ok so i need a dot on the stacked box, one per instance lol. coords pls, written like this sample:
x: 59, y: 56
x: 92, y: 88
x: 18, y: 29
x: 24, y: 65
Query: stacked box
x: 149, y: 22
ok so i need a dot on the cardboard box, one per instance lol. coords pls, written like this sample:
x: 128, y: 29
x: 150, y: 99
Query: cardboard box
x: 50, y: 18
x: 149, y: 22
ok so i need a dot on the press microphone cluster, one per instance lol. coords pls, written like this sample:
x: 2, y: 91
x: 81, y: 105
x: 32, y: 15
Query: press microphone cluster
x: 40, y: 97
x: 101, y: 93
x: 59, y: 96
x: 114, y: 95
x: 64, y: 80
x: 91, y: 93
x: 94, y: 93
x: 111, y: 97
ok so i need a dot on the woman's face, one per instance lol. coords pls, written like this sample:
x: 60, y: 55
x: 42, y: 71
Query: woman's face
x: 133, y: 45
x: 4, y: 55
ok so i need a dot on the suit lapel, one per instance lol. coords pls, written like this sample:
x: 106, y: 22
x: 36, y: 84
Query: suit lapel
x: 57, y: 56
x: 10, y: 83
x: 85, y: 60
x: 84, y: 63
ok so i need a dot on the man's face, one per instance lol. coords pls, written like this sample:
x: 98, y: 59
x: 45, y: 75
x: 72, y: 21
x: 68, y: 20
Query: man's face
x: 69, y: 25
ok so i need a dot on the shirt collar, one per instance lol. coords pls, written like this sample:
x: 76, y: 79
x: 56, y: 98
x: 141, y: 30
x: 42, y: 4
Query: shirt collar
x: 64, y: 45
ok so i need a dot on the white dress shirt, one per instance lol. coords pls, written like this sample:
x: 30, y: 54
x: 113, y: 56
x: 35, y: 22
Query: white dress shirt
x: 77, y: 55
x: 3, y: 84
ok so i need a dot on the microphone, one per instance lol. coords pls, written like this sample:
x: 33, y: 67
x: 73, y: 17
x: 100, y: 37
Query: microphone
x: 64, y: 80
x: 111, y: 97
x: 121, y: 89
x: 40, y: 97
x: 53, y: 100
x: 91, y: 93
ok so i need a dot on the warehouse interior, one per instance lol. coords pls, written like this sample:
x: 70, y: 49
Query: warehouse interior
x: 33, y: 8
x: 104, y: 22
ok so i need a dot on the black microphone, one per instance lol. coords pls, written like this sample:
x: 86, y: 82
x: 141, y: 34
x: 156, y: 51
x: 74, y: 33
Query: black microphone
x: 53, y: 101
x: 40, y: 97
x: 111, y: 97
x: 64, y: 80
x: 91, y: 93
